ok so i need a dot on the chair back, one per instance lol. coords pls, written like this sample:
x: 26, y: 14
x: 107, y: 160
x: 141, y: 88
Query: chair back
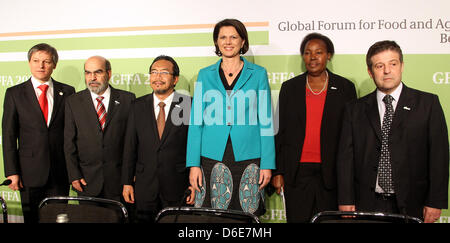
x: 362, y: 217
x: 4, y: 210
x: 88, y: 210
x: 203, y: 215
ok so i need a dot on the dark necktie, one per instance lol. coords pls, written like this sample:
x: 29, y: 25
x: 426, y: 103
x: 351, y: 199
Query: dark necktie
x: 384, y: 168
x: 43, y: 102
x: 161, y: 120
x: 101, y: 112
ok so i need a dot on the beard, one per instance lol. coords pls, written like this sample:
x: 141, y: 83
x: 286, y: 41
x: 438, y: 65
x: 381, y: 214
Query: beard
x: 164, y: 90
x: 161, y: 91
x: 99, y: 89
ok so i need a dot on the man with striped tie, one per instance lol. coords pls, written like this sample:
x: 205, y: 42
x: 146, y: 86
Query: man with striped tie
x: 94, y: 132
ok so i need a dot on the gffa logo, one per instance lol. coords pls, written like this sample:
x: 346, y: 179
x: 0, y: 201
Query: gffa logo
x: 441, y: 77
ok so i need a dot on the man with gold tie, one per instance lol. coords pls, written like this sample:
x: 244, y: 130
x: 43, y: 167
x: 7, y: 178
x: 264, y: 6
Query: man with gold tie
x: 155, y: 144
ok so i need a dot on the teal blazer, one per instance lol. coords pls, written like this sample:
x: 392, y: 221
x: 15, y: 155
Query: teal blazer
x: 245, y: 114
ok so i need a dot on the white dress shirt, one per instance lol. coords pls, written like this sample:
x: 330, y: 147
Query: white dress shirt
x: 36, y: 83
x: 106, y: 97
x: 167, y: 101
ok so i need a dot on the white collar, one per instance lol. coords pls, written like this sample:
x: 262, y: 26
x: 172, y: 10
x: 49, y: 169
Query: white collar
x: 106, y: 94
x: 167, y: 101
x: 36, y: 83
x: 395, y: 94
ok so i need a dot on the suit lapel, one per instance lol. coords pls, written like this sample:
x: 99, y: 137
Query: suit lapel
x: 301, y: 99
x: 33, y: 101
x: 373, y: 114
x: 247, y: 71
x: 58, y: 95
x: 169, y: 124
x: 404, y: 105
x: 331, y: 99
x: 113, y: 106
x: 91, y: 113
x: 215, y: 73
x: 151, y: 114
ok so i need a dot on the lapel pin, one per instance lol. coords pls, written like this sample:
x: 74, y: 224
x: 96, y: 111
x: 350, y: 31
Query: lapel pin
x: 116, y: 102
x: 406, y: 108
x: 61, y: 93
x: 332, y: 87
x: 178, y: 106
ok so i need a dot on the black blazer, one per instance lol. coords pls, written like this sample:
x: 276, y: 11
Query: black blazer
x: 30, y: 148
x: 90, y: 153
x: 292, y: 124
x: 159, y: 165
x: 419, y: 153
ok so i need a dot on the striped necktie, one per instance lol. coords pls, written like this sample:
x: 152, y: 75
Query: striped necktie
x: 101, y: 112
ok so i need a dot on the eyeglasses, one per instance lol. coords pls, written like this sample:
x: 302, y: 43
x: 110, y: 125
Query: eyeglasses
x: 162, y: 73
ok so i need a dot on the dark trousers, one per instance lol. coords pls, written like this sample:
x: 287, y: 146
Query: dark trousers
x: 32, y: 196
x: 102, y: 194
x: 146, y: 212
x: 308, y: 195
x: 387, y: 204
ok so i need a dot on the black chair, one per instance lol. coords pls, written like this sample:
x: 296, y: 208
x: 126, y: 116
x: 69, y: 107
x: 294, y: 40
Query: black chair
x: 3, y: 202
x: 4, y: 210
x: 203, y: 215
x: 88, y: 210
x: 362, y: 217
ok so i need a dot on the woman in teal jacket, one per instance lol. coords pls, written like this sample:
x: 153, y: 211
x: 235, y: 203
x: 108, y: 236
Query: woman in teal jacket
x: 231, y: 149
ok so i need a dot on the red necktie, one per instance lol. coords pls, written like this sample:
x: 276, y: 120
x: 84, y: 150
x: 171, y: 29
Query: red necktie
x: 101, y: 112
x: 43, y: 102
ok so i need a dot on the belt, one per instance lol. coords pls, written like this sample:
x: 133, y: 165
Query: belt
x: 385, y: 196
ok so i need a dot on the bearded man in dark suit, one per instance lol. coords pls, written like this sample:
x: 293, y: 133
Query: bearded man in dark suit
x: 94, y: 132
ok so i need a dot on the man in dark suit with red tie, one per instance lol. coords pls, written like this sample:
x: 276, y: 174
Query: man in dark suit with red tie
x: 96, y: 120
x: 33, y: 127
x: 154, y: 167
x: 393, y: 154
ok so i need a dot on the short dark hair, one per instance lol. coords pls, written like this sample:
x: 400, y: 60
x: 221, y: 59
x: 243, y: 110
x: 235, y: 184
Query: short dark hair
x: 176, y: 69
x: 241, y: 30
x: 317, y: 36
x: 44, y: 47
x: 381, y: 46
